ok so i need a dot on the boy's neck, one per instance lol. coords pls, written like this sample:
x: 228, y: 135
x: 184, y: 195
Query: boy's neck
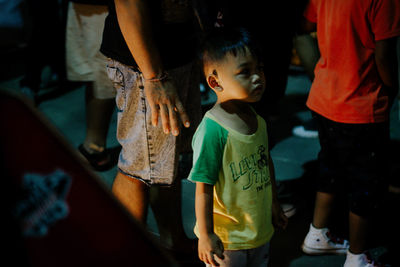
x: 237, y: 115
x: 236, y: 107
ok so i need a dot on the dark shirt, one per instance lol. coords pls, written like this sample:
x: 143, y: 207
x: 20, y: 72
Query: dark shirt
x: 176, y: 41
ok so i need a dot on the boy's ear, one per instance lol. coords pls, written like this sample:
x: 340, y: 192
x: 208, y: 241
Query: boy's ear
x: 212, y: 81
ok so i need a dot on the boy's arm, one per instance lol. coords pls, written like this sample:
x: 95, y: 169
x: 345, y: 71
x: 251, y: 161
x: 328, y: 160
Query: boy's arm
x: 386, y: 62
x: 133, y: 18
x: 278, y: 217
x: 209, y: 242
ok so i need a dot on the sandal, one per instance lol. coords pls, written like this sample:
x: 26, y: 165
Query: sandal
x: 100, y: 161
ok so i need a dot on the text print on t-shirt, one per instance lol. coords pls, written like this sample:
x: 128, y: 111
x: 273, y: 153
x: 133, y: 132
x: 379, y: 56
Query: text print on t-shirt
x: 254, y: 167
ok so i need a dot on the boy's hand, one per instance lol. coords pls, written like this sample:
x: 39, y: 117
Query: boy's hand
x: 208, y: 246
x: 279, y: 218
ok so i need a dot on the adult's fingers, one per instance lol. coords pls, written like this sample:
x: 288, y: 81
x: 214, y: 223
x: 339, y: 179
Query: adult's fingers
x: 173, y: 120
x: 182, y: 113
x: 154, y: 112
x: 164, y: 118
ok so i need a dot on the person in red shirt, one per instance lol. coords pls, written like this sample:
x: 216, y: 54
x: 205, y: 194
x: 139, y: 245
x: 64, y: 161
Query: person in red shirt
x: 354, y: 87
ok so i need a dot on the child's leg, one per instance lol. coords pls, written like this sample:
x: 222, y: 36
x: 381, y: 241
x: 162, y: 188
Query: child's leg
x: 257, y: 257
x: 232, y: 258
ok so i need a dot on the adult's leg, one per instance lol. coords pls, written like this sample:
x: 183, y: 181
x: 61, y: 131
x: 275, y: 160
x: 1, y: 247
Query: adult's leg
x: 85, y: 24
x: 358, y: 233
x: 368, y: 169
x: 167, y: 207
x: 98, y: 118
x: 327, y: 174
x: 133, y: 194
x: 319, y: 239
x: 323, y: 209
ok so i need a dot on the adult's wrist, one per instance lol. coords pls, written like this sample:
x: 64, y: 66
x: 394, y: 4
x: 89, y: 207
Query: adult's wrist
x: 158, y: 78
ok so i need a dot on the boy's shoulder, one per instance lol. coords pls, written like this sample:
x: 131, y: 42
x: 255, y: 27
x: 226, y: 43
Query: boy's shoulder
x: 222, y: 117
x: 215, y: 112
x: 210, y: 126
x: 245, y: 122
x: 210, y: 133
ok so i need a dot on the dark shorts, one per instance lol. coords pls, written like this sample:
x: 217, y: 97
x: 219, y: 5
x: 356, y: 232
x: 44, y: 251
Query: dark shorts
x: 353, y: 160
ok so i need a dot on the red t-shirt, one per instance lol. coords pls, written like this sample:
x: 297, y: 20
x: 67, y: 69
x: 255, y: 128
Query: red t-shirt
x: 347, y: 87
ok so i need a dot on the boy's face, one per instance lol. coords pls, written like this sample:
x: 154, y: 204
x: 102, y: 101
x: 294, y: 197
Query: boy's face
x: 241, y: 77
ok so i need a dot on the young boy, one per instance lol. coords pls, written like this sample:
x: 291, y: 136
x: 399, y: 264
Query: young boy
x: 236, y: 199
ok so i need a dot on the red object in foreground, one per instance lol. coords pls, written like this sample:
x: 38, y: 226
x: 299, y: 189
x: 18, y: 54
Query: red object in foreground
x: 68, y: 216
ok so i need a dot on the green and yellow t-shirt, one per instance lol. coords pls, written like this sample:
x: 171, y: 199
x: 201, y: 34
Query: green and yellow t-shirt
x: 237, y: 165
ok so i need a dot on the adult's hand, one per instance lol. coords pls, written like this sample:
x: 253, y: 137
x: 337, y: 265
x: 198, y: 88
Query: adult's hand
x: 133, y: 18
x: 164, y: 102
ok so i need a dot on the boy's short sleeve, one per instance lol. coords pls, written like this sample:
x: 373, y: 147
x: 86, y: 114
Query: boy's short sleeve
x: 208, y: 147
x: 385, y: 19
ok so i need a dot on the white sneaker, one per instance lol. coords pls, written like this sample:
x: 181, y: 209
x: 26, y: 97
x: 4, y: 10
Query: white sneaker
x: 360, y: 260
x: 308, y: 129
x: 301, y: 131
x: 320, y: 241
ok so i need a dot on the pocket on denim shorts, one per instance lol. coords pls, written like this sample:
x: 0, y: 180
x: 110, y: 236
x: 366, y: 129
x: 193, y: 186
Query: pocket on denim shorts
x: 117, y: 78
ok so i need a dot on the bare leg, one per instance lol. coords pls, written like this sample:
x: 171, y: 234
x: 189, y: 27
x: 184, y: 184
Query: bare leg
x: 322, y: 209
x: 358, y: 228
x: 133, y: 194
x: 167, y: 207
x: 98, y: 117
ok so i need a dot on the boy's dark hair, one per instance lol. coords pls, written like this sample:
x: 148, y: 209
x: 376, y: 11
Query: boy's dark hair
x: 220, y: 41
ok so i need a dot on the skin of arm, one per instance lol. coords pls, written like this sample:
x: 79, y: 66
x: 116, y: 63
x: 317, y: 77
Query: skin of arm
x: 278, y: 217
x: 209, y: 242
x: 133, y: 19
x: 386, y: 63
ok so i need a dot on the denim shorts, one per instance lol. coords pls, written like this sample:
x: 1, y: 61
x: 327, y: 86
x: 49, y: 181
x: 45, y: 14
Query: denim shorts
x: 353, y: 159
x: 147, y: 153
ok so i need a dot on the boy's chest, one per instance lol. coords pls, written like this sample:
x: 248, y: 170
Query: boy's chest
x: 245, y: 163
